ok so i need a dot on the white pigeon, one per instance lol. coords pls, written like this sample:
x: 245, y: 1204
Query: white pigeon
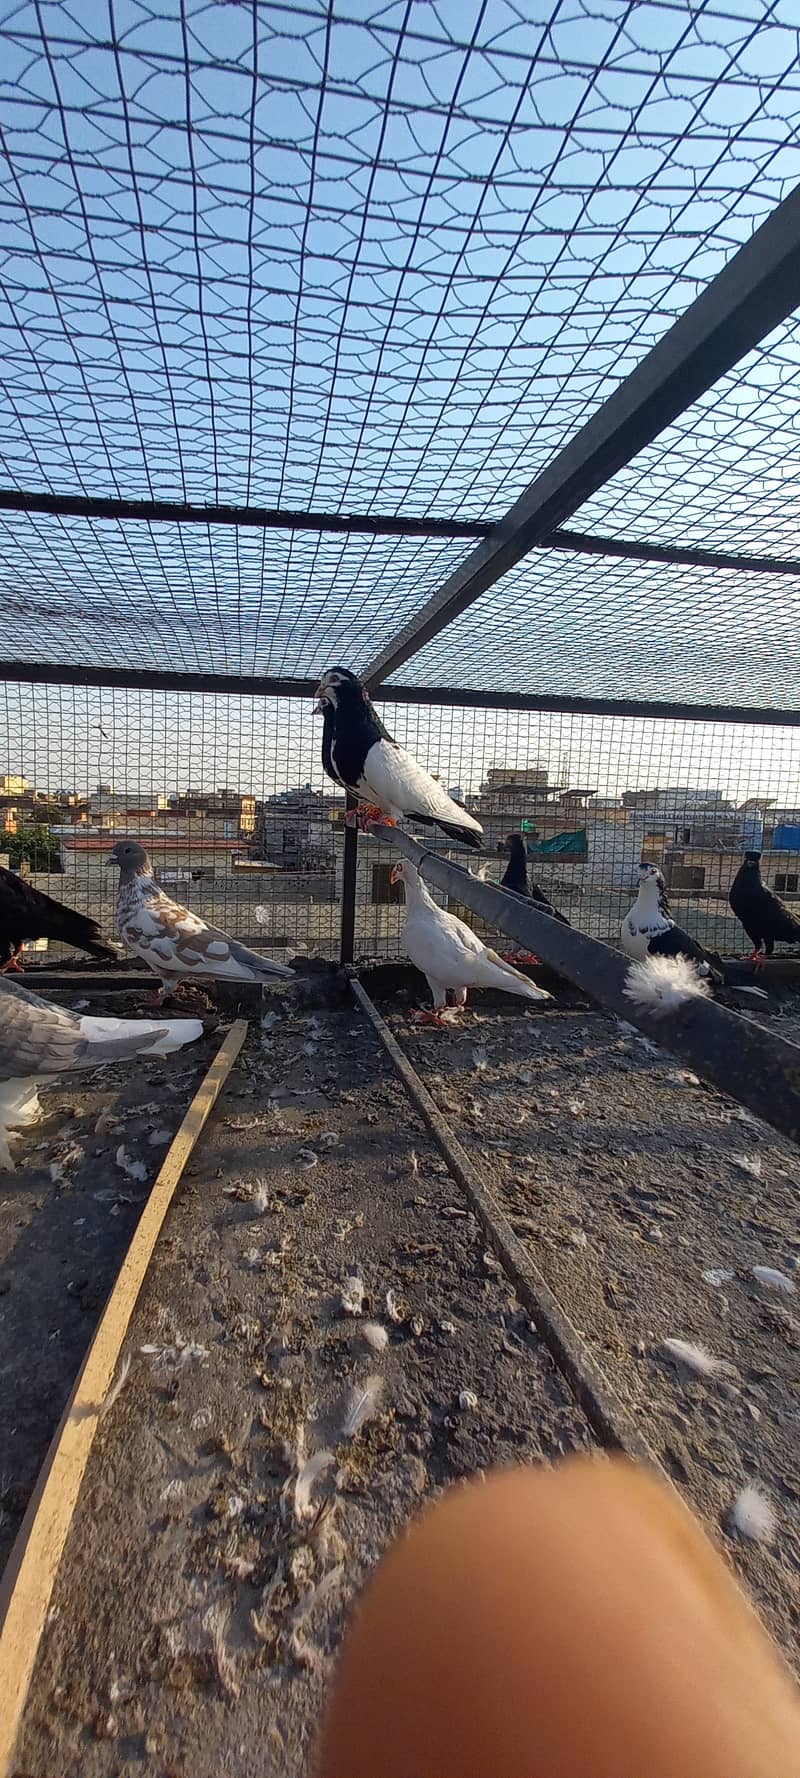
x: 359, y: 754
x: 449, y: 953
x: 39, y: 1041
x: 174, y: 942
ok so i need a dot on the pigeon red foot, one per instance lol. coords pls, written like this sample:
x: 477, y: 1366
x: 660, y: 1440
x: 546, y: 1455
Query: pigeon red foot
x: 430, y: 1018
x: 515, y: 957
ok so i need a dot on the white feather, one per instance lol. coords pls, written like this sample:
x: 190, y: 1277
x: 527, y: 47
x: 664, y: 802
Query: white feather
x: 310, y: 1472
x: 661, y: 985
x: 693, y: 1358
x: 752, y: 1516
x: 375, y: 1335
x: 363, y: 1403
x: 772, y: 1279
x: 353, y: 1295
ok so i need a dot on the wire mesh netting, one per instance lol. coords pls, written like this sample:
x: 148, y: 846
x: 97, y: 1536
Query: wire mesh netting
x: 203, y: 598
x: 311, y: 254
x: 356, y: 257
x: 586, y: 626
x: 229, y: 796
x: 722, y: 477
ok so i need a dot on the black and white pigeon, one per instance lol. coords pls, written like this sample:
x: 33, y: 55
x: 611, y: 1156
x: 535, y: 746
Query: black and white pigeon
x: 27, y: 914
x: 765, y: 918
x: 649, y: 930
x: 176, y: 944
x: 359, y: 754
x: 40, y: 1041
x: 449, y: 953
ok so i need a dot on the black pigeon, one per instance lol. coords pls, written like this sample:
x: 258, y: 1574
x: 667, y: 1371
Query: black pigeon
x: 25, y: 914
x: 516, y: 877
x: 359, y: 754
x: 765, y: 918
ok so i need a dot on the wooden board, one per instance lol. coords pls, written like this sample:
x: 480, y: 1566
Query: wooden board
x: 27, y: 1583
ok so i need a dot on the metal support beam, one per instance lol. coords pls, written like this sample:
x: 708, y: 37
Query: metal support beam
x: 347, y: 929
x: 756, y: 290
x: 270, y: 518
x: 450, y: 697
x: 371, y: 525
x: 755, y: 1066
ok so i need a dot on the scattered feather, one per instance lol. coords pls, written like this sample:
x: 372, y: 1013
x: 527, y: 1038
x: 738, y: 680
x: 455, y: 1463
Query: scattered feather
x: 307, y: 1159
x: 413, y: 1163
x: 693, y: 1358
x: 177, y: 1355
x: 447, y: 1327
x: 468, y: 1401
x: 661, y: 985
x: 353, y: 1295
x: 200, y: 1420
x: 375, y: 1335
x: 749, y: 1163
x: 108, y: 1124
x: 310, y: 1048
x: 480, y: 1059
x: 315, y: 1595
x: 717, y: 1275
x: 157, y: 1138
x: 270, y: 1019
x: 328, y: 1139
x: 363, y: 1403
x: 393, y: 1311
x: 576, y: 1106
x: 772, y: 1279
x: 308, y: 1474
x: 134, y: 1169
x: 752, y: 1516
x: 115, y: 1389
x: 215, y: 1624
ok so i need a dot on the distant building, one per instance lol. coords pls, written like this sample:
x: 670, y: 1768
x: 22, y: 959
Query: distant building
x: 10, y: 785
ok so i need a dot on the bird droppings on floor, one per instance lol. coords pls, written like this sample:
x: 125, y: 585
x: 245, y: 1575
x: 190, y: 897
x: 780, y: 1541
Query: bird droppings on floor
x: 66, y: 1217
x: 674, y: 1259
x: 322, y: 1350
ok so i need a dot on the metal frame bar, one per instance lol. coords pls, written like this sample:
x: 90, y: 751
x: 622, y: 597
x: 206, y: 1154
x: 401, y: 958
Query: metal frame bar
x: 737, y: 1056
x: 271, y: 518
x: 451, y: 697
x: 376, y: 525
x: 755, y: 291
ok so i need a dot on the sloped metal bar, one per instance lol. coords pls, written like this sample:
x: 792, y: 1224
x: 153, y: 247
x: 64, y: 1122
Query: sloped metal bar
x: 756, y: 290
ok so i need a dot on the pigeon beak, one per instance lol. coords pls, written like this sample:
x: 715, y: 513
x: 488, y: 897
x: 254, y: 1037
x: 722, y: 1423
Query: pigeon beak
x: 110, y: 861
x: 395, y: 876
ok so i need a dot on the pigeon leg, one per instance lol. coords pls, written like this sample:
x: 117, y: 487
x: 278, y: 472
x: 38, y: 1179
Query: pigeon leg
x: 517, y: 957
x: 12, y: 967
x: 430, y: 1018
x: 369, y: 815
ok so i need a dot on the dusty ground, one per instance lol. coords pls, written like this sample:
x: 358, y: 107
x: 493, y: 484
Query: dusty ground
x: 66, y: 1218
x: 199, y: 1601
x: 629, y: 1180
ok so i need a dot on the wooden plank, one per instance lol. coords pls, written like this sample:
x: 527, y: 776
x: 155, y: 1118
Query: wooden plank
x: 27, y: 1584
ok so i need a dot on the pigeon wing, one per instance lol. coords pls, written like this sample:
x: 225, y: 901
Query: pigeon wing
x: 397, y: 782
x: 38, y: 1039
